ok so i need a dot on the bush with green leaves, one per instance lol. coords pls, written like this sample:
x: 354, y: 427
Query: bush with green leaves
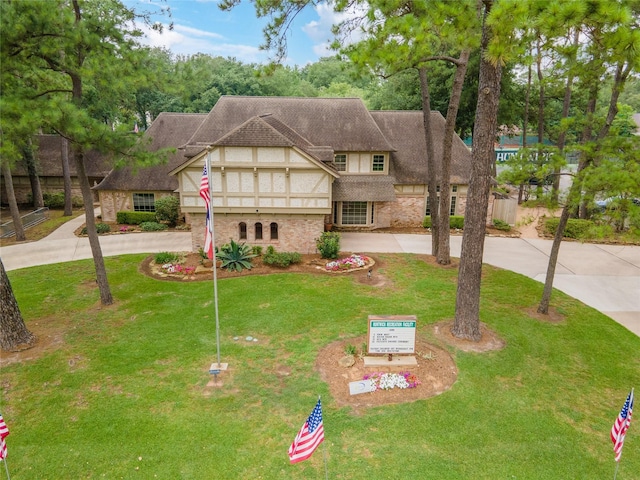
x: 168, y: 210
x: 328, y: 244
x: 100, y: 229
x: 501, y: 225
x: 166, y: 257
x: 281, y: 259
x: 455, y: 222
x: 134, y: 218
x: 235, y: 256
x: 152, y: 227
x: 576, y: 228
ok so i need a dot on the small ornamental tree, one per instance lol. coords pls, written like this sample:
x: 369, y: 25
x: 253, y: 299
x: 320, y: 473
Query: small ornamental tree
x: 168, y: 210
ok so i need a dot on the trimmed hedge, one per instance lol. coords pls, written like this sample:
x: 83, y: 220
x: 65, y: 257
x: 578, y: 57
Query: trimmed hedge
x: 455, y: 221
x: 100, y: 229
x: 135, y: 218
x: 281, y: 259
x: 576, y: 228
x: 152, y: 227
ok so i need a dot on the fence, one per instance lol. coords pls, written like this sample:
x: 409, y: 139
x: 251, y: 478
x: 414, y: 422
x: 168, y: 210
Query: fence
x: 505, y: 210
x: 29, y: 220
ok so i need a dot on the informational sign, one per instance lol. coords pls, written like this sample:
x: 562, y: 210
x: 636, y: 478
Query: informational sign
x: 362, y: 386
x: 392, y: 334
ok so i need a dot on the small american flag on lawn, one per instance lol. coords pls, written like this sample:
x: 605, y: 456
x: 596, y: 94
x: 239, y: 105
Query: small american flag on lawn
x: 309, y: 437
x: 621, y: 425
x: 4, y: 431
x: 204, y: 193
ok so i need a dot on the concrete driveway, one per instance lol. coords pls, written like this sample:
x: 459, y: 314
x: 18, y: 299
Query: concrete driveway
x: 605, y: 277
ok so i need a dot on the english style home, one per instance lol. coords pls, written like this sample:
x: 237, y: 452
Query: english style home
x: 284, y: 168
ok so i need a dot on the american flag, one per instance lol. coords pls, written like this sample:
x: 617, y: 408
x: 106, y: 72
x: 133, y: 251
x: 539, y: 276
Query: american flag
x: 4, y: 431
x: 204, y: 193
x: 309, y: 437
x: 621, y: 425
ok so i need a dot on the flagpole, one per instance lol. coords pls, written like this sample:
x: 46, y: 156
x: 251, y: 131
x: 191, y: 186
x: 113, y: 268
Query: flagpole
x: 215, y: 275
x: 324, y: 454
x: 616, y: 473
x: 6, y: 467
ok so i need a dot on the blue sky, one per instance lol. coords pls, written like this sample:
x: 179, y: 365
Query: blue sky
x: 199, y: 26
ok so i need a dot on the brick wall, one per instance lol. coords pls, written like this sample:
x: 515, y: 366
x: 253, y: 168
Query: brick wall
x: 407, y: 211
x: 294, y: 234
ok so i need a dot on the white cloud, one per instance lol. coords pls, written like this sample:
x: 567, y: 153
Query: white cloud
x: 319, y: 31
x: 184, y: 40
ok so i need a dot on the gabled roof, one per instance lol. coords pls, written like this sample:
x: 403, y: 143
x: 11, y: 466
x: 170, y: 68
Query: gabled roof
x: 364, y: 188
x: 405, y: 131
x: 168, y: 130
x: 343, y: 123
x: 48, y: 151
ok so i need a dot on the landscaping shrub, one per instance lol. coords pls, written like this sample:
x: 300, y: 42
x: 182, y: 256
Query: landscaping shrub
x: 455, y: 221
x: 56, y: 200
x: 328, y: 244
x: 100, y: 228
x: 235, y: 256
x: 152, y: 227
x: 135, y: 218
x: 168, y: 210
x: 257, y: 250
x: 576, y: 228
x: 501, y: 225
x: 281, y: 259
x: 165, y: 257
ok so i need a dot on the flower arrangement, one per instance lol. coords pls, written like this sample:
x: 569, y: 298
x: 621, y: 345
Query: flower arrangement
x: 178, y: 269
x: 387, y: 381
x: 352, y: 261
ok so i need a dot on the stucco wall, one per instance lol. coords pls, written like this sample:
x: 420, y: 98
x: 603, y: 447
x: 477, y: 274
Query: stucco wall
x: 294, y: 234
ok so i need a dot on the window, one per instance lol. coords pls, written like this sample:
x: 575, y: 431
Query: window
x: 452, y: 210
x: 274, y: 231
x: 378, y: 163
x: 144, y: 202
x: 258, y: 227
x: 340, y: 162
x: 354, y: 213
x: 243, y: 230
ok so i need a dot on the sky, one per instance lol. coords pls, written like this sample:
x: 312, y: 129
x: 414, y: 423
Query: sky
x: 199, y: 26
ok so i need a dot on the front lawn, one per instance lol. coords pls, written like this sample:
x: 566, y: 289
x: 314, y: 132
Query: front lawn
x: 121, y: 391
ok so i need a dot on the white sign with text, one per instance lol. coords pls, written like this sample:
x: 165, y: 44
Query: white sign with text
x: 392, y: 334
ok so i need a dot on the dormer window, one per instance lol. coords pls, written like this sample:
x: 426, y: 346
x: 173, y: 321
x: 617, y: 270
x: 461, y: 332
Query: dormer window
x: 378, y: 163
x: 340, y: 162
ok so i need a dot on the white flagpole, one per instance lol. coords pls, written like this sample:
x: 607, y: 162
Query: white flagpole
x: 6, y: 467
x: 213, y: 242
x: 324, y: 450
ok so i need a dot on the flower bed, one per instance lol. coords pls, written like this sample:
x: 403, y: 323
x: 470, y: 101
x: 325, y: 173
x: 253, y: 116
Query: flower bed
x: 176, y: 268
x: 387, y: 381
x: 351, y: 262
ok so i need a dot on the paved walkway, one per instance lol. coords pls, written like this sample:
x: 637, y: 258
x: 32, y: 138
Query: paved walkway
x: 605, y: 277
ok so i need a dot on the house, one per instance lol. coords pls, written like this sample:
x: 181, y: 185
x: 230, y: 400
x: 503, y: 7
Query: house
x: 284, y: 168
x: 48, y: 152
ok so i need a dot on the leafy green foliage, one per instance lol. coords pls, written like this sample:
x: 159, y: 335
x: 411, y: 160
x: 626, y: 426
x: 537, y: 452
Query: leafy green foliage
x: 134, y: 218
x: 281, y: 259
x: 501, y: 225
x: 101, y: 228
x: 152, y: 227
x: 168, y: 210
x: 55, y: 200
x: 328, y: 244
x: 235, y: 256
x: 576, y: 227
x: 165, y: 257
x: 455, y: 222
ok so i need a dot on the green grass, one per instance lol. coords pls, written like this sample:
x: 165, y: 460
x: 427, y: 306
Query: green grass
x: 125, y: 395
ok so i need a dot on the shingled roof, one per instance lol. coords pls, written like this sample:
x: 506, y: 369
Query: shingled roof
x: 48, y: 151
x: 342, y: 123
x: 168, y: 130
x: 405, y: 131
x: 364, y: 188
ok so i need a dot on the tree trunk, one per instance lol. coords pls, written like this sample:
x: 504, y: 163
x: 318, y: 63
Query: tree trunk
x: 66, y: 174
x: 13, y: 332
x: 444, y: 245
x: 574, y: 191
x: 432, y: 180
x: 467, y: 317
x: 13, y: 204
x: 34, y: 179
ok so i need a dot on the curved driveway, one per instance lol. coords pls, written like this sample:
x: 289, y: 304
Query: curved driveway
x: 605, y: 277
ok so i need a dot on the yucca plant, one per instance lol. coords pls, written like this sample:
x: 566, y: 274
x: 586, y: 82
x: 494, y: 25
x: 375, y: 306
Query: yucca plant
x: 235, y: 256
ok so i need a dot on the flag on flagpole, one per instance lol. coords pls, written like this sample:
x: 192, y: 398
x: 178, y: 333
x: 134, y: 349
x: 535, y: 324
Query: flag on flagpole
x: 309, y: 437
x: 4, y: 431
x: 621, y: 425
x: 204, y: 193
